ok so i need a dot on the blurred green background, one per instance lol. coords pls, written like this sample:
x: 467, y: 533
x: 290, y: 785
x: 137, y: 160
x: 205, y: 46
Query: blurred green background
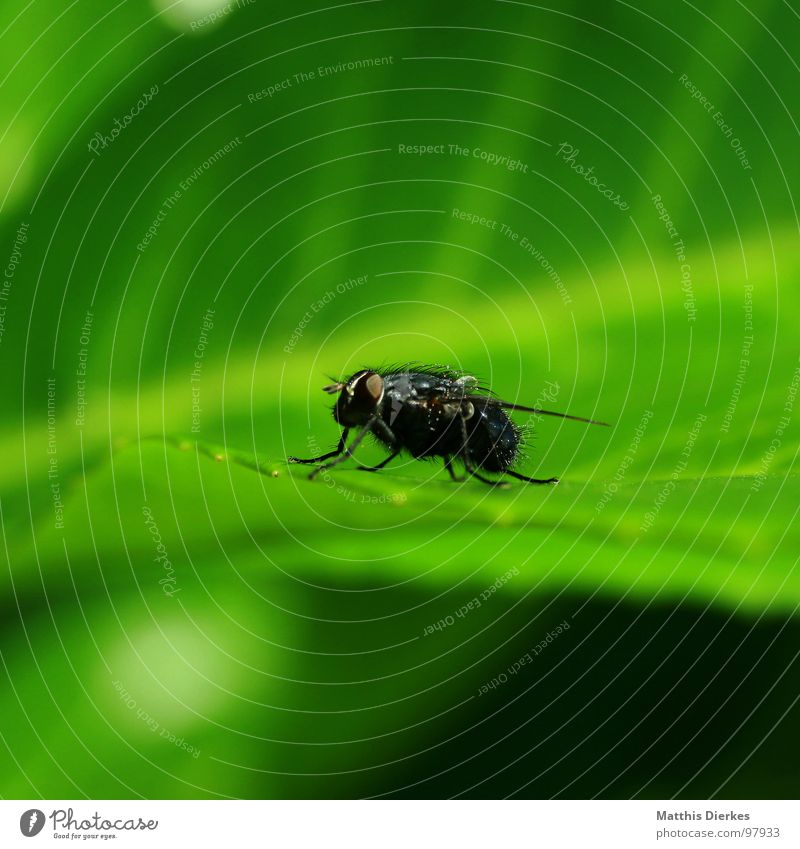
x: 186, y: 191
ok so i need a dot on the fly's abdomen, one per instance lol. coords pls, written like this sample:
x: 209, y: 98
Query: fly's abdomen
x: 493, y: 439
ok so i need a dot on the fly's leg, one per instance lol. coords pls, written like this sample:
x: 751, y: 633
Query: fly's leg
x: 468, y: 460
x: 471, y: 470
x: 381, y: 464
x: 380, y: 424
x: 448, y: 464
x: 530, y: 480
x: 346, y: 453
x: 335, y: 453
x: 500, y: 484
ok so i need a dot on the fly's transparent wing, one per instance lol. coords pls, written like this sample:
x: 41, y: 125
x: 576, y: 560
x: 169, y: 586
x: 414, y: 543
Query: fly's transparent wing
x: 507, y: 405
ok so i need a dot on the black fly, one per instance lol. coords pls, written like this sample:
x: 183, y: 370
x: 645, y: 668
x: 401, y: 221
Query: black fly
x: 429, y: 411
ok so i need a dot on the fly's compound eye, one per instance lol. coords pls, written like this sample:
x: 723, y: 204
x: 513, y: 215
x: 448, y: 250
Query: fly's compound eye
x: 366, y: 389
x: 374, y: 386
x: 360, y: 399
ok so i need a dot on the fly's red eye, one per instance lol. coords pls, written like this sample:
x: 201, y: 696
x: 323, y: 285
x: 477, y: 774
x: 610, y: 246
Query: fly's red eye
x: 374, y: 386
x: 366, y: 388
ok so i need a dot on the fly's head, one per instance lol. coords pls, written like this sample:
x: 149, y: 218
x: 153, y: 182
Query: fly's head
x: 359, y: 398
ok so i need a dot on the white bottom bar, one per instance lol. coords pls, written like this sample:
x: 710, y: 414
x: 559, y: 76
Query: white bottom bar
x: 402, y: 824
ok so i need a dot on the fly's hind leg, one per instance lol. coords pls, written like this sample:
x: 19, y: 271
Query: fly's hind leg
x: 499, y: 484
x: 468, y: 465
x: 518, y: 476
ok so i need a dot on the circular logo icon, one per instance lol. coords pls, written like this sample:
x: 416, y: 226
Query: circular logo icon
x: 31, y: 822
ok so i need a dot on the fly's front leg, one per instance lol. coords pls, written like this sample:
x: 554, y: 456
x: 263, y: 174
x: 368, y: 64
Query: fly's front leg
x: 335, y: 453
x: 346, y: 453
